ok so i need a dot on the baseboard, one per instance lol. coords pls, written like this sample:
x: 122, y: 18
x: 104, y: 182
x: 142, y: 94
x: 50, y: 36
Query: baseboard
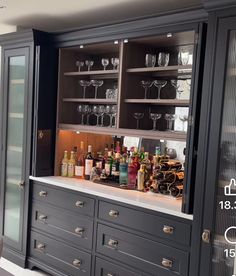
x: 14, y: 257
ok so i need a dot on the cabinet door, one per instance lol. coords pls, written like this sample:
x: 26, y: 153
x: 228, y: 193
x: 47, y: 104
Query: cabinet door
x: 218, y: 248
x: 14, y: 114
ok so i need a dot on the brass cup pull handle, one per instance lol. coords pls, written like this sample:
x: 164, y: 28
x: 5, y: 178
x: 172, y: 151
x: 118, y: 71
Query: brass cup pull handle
x: 77, y: 262
x: 168, y: 229
x: 79, y: 204
x: 41, y: 246
x: 166, y: 263
x: 113, y: 243
x: 43, y: 193
x: 113, y: 213
x: 79, y: 230
x: 42, y: 217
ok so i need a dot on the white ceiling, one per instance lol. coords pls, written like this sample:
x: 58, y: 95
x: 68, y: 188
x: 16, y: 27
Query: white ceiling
x: 52, y: 15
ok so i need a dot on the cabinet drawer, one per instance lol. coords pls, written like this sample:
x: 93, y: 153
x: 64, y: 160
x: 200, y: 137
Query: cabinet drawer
x: 64, y: 199
x: 147, y: 223
x: 143, y: 254
x: 105, y: 268
x: 70, y: 227
x: 64, y: 258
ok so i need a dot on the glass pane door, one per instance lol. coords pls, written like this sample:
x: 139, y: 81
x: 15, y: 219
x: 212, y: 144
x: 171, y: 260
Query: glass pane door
x: 14, y: 146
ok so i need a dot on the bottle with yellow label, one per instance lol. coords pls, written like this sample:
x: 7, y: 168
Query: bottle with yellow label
x: 64, y: 164
x: 71, y: 165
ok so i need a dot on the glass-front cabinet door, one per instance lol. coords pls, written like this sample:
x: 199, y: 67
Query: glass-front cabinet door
x: 219, y: 224
x: 14, y: 153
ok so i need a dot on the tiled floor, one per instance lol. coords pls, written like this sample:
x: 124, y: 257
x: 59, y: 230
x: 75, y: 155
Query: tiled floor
x: 18, y: 271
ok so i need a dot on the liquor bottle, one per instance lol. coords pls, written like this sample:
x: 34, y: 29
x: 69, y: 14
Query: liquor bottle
x: 106, y: 152
x: 141, y: 178
x: 163, y: 189
x: 155, y: 165
x: 79, y: 167
x: 123, y: 168
x: 108, y: 164
x: 176, y: 190
x: 148, y: 165
x: 71, y: 165
x: 115, y: 168
x: 142, y: 154
x: 75, y: 150
x: 158, y: 153
x: 164, y: 157
x: 88, y: 163
x: 99, y: 161
x: 132, y: 174
x: 64, y: 164
x: 118, y: 149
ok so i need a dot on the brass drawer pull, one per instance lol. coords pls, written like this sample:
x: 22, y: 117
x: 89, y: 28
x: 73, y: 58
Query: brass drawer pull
x: 168, y: 229
x: 41, y: 246
x: 42, y: 217
x: 113, y: 213
x: 113, y: 243
x: 77, y: 262
x: 166, y: 263
x: 43, y: 193
x: 79, y: 230
x: 79, y: 204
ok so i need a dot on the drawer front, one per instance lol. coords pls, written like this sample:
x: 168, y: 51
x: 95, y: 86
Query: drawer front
x: 148, y: 256
x: 64, y: 199
x: 105, y: 268
x: 64, y: 258
x: 146, y: 223
x: 72, y: 228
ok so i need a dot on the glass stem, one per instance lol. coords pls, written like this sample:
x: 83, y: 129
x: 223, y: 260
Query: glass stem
x: 154, y: 124
x: 82, y: 119
x: 84, y: 91
x: 170, y: 125
x: 97, y: 120
x: 87, y: 122
x: 110, y: 120
x: 146, y: 90
x: 102, y: 119
x: 159, y: 93
x: 137, y: 124
x: 96, y: 92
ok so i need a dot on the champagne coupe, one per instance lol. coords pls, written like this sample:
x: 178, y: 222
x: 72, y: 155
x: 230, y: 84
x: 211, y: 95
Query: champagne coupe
x: 159, y: 85
x: 183, y: 57
x: 89, y: 64
x: 80, y: 109
x: 115, y: 62
x: 101, y: 111
x: 84, y: 84
x: 163, y: 59
x: 183, y: 119
x: 150, y: 60
x: 146, y: 85
x: 155, y: 117
x: 113, y: 115
x: 96, y: 84
x: 176, y: 85
x: 138, y: 116
x: 79, y: 64
x: 87, y: 111
x: 105, y: 63
x: 95, y: 111
x: 170, y: 118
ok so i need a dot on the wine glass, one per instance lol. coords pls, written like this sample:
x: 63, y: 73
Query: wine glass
x: 163, y: 59
x: 183, y: 57
x: 101, y: 111
x: 150, y: 60
x: 159, y: 84
x: 87, y: 111
x: 183, y: 119
x: 80, y: 109
x: 113, y: 115
x: 84, y: 84
x: 96, y: 84
x: 115, y: 62
x: 138, y: 116
x: 146, y: 85
x: 95, y: 111
x: 107, y: 111
x: 105, y: 62
x: 176, y: 85
x: 170, y: 118
x: 89, y: 64
x: 79, y: 64
x: 155, y: 117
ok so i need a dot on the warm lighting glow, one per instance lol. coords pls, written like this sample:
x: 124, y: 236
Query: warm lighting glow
x: 169, y: 35
x: 81, y: 46
x: 126, y: 40
x: 77, y: 132
x: 116, y: 42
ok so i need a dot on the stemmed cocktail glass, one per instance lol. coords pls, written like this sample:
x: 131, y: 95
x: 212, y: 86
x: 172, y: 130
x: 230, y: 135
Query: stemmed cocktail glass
x: 155, y: 117
x: 138, y: 116
x: 84, y: 84
x: 146, y: 85
x: 96, y: 84
x: 159, y: 84
x: 170, y: 118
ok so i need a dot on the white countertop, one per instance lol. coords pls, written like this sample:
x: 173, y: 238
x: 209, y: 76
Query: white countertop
x: 151, y: 201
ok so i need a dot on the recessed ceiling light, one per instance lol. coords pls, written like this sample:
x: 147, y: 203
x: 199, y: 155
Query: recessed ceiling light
x: 81, y: 46
x: 116, y: 42
x: 126, y: 40
x: 169, y: 35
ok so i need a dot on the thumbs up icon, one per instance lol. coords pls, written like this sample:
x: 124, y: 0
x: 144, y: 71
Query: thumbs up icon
x: 229, y: 188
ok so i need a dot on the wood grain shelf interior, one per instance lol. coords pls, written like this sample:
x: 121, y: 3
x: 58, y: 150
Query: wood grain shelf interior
x: 174, y: 102
x: 90, y: 100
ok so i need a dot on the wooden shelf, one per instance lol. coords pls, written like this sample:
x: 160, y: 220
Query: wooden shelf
x: 148, y: 134
x: 98, y: 74
x: 174, y: 70
x: 174, y: 102
x: 90, y: 100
